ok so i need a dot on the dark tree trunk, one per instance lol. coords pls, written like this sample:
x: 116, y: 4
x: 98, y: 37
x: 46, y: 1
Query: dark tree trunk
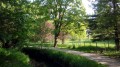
x: 56, y: 35
x: 63, y: 38
x: 55, y: 40
x: 117, y: 39
x: 57, y: 32
x: 116, y: 24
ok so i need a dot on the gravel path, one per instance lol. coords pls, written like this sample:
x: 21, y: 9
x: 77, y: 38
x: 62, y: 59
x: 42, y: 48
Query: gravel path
x: 96, y: 57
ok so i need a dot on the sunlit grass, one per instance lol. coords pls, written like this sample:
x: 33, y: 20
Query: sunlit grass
x: 104, y: 47
x: 85, y: 43
x: 76, y: 43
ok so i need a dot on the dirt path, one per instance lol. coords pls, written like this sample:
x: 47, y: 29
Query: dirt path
x: 96, y: 57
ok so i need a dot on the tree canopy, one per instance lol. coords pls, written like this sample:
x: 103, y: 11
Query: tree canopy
x: 105, y: 25
x: 15, y: 22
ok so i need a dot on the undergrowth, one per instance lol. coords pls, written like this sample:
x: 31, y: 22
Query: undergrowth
x: 13, y: 58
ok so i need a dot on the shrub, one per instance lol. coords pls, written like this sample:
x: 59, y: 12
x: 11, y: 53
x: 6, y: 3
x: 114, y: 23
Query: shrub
x: 13, y: 58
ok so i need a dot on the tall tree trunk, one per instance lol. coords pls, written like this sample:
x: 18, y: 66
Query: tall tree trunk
x: 117, y: 39
x: 63, y: 38
x: 55, y: 40
x: 116, y: 24
x: 56, y: 36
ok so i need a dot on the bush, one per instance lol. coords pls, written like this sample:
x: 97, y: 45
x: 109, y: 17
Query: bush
x: 61, y: 58
x: 13, y: 58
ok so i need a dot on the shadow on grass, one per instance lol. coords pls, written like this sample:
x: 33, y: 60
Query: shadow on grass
x: 41, y: 44
x: 111, y: 52
x: 92, y: 49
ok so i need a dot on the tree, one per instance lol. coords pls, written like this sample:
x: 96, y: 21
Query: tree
x: 20, y: 18
x: 15, y: 22
x: 44, y: 32
x: 62, y: 36
x: 107, y: 20
x: 40, y: 13
x: 64, y: 12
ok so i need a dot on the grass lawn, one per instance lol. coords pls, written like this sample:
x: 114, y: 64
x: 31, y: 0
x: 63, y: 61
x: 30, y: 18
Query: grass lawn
x: 100, y: 48
x: 106, y: 48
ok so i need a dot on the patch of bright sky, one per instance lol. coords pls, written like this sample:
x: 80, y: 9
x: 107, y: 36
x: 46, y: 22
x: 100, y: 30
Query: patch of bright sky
x: 88, y: 6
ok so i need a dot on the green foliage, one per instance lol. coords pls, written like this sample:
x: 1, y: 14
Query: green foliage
x: 64, y: 13
x: 103, y: 25
x: 16, y: 23
x: 13, y: 58
x: 107, y: 21
x: 61, y: 58
x: 40, y: 13
x: 22, y: 20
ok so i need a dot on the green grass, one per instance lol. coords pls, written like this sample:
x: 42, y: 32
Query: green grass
x: 104, y: 47
x: 77, y: 43
x: 91, y: 49
x: 93, y: 44
x: 62, y: 58
x: 111, y: 52
x: 107, y: 47
x: 13, y: 58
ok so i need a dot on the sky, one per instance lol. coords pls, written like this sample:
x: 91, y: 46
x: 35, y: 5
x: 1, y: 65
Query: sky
x: 87, y: 4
